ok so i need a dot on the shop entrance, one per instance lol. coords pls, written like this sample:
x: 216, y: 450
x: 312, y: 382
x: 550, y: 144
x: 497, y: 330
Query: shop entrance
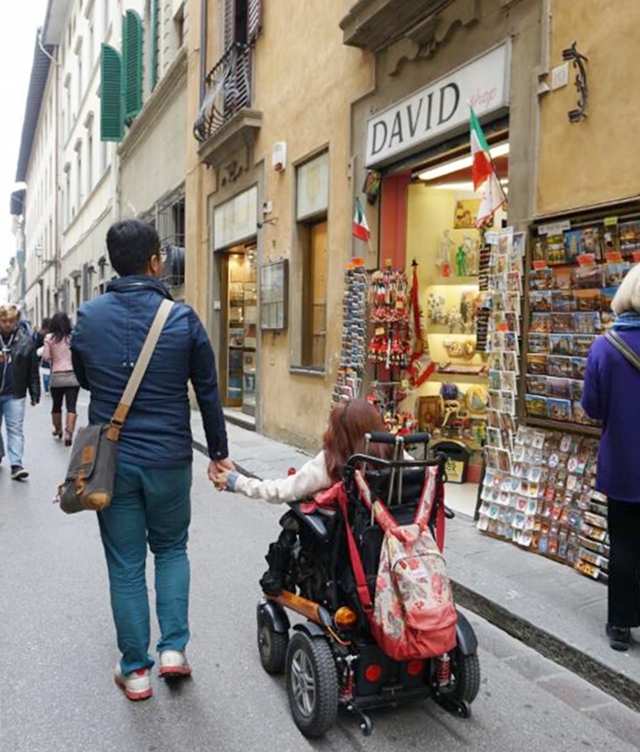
x: 239, y: 329
x: 441, y: 207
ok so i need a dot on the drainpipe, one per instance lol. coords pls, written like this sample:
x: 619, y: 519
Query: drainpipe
x: 204, y: 23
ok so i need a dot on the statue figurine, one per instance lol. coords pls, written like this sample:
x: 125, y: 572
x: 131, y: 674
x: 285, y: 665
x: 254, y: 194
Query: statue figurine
x: 461, y: 262
x: 443, y: 261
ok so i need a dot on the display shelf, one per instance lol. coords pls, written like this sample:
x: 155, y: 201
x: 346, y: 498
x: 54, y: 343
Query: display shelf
x: 558, y: 425
x: 467, y: 378
x: 444, y: 329
x: 460, y: 281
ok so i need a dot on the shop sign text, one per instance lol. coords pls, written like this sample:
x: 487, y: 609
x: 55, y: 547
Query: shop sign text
x: 440, y: 107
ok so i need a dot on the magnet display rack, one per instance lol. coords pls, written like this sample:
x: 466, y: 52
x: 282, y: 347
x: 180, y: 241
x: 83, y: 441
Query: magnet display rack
x: 389, y: 347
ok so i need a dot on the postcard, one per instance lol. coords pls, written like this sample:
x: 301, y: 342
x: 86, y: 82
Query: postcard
x: 536, y: 406
x: 589, y: 276
x: 578, y: 367
x: 540, y: 322
x: 538, y: 343
x: 508, y: 400
x: 556, y: 253
x: 510, y: 362
x: 536, y: 363
x: 581, y: 344
x: 559, y: 409
x: 540, y: 301
x: 588, y: 300
x: 558, y: 387
x: 561, y: 322
x: 561, y: 344
x: 615, y: 273
x: 537, y: 385
x: 573, y: 244
x: 541, y: 279
x: 508, y: 381
x: 563, y: 300
x: 577, y: 389
x: 560, y: 366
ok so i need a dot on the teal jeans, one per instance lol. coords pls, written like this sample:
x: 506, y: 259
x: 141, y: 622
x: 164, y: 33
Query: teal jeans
x: 149, y: 505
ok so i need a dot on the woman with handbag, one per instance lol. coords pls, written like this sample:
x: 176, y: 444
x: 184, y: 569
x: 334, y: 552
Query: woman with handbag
x: 611, y: 394
x: 63, y: 384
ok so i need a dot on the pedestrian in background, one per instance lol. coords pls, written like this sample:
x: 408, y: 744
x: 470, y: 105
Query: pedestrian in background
x: 612, y: 395
x: 63, y: 384
x: 18, y: 375
x: 152, y: 496
x: 38, y: 339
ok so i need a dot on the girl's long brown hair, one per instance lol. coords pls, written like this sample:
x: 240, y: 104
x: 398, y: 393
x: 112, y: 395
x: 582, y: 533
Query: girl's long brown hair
x: 348, y: 423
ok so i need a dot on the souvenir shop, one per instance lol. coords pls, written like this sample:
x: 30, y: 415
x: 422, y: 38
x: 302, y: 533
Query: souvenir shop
x: 423, y: 365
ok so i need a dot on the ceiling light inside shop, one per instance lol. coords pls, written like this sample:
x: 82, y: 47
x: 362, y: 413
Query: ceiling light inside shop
x: 462, y: 186
x: 500, y: 150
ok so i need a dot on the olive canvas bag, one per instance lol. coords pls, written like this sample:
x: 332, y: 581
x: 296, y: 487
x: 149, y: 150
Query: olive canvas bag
x: 90, y: 477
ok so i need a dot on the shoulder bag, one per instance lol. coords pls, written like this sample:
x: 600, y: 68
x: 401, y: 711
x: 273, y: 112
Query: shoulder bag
x: 92, y: 467
x: 623, y: 348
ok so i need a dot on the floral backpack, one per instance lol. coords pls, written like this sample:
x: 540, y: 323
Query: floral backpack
x: 412, y: 615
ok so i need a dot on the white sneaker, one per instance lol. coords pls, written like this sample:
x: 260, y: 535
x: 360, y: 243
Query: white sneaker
x: 174, y: 663
x: 136, y: 685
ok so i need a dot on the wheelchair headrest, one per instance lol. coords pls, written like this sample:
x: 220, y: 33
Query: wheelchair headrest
x: 412, y: 483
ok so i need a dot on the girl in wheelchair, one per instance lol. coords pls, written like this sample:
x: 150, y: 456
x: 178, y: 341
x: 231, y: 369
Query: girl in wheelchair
x: 345, y: 435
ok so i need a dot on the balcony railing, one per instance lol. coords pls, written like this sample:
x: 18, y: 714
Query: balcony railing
x: 227, y: 91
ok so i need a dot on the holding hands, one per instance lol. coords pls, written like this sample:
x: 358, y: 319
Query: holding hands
x: 219, y: 472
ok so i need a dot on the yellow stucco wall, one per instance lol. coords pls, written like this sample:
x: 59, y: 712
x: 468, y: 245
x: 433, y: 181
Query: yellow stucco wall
x: 593, y: 161
x: 305, y: 81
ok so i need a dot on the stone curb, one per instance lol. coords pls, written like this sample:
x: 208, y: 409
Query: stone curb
x: 618, y: 685
x: 621, y: 687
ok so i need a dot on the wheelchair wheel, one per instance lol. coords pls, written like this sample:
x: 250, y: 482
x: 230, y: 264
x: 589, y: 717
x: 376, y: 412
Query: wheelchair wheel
x: 272, y: 647
x: 466, y: 676
x: 312, y: 684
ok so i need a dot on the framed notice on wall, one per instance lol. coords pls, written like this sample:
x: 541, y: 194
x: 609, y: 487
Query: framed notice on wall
x: 274, y: 284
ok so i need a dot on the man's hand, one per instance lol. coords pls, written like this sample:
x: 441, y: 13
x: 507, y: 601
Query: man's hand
x: 218, y: 466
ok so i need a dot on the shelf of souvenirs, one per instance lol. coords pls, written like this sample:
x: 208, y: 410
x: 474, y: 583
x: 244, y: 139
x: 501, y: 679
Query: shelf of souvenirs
x: 457, y: 378
x: 559, y: 425
x: 468, y: 281
x: 446, y: 330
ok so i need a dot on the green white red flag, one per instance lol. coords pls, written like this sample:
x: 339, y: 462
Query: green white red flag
x: 484, y: 175
x: 360, y: 226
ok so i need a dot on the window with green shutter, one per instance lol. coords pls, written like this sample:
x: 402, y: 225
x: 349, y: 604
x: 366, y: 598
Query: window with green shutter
x: 110, y: 94
x: 131, y: 64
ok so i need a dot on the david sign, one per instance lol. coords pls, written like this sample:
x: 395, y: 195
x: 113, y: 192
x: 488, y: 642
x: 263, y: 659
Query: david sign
x: 440, y: 107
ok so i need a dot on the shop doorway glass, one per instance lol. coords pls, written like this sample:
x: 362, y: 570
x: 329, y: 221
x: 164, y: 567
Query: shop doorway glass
x: 240, y: 324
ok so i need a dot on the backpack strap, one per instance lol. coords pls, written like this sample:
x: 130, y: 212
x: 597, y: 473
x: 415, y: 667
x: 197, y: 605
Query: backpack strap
x: 356, y: 562
x: 623, y: 348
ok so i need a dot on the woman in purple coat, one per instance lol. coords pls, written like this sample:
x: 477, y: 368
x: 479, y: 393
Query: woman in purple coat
x: 612, y: 395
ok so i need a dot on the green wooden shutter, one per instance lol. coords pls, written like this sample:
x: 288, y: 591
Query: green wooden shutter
x: 110, y: 94
x: 153, y: 46
x: 131, y: 64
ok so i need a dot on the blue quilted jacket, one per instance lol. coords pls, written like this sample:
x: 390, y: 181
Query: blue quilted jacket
x: 105, y: 345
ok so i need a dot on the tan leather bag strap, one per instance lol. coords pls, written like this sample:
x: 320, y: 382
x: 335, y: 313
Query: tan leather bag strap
x: 139, y: 370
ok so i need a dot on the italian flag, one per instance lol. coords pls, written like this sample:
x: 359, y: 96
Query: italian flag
x: 484, y: 175
x: 360, y: 226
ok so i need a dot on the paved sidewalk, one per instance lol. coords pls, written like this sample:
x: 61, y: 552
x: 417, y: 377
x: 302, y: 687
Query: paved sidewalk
x: 545, y: 604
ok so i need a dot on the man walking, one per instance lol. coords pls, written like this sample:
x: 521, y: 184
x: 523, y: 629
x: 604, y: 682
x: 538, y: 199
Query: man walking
x: 151, y: 499
x: 18, y: 375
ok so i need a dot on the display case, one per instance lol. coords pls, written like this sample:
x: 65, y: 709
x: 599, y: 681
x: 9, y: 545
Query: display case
x: 573, y: 271
x: 241, y: 333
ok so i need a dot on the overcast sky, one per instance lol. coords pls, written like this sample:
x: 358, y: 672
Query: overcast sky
x: 17, y: 39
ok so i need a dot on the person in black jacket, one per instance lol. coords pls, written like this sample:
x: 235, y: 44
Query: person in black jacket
x: 18, y: 375
x: 151, y: 502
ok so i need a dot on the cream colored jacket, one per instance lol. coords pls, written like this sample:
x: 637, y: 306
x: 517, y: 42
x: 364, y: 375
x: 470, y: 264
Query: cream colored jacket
x: 311, y: 478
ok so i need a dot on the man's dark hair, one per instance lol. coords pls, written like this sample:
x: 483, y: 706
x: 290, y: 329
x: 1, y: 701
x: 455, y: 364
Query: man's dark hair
x: 131, y: 243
